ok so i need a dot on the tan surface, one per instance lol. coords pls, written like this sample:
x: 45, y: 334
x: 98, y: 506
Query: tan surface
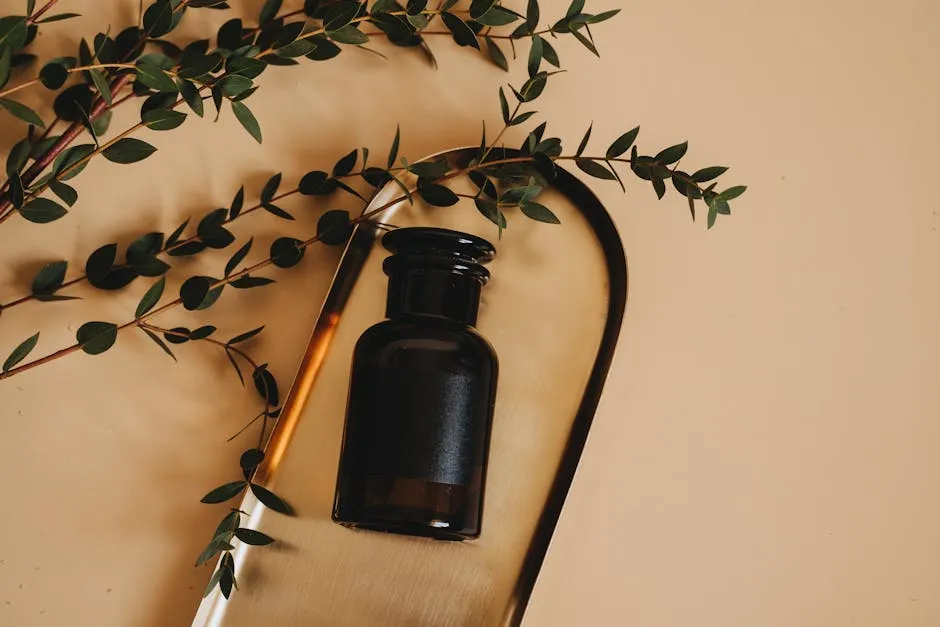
x: 766, y: 451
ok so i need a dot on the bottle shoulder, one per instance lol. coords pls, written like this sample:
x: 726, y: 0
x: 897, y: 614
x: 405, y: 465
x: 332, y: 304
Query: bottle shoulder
x: 428, y: 334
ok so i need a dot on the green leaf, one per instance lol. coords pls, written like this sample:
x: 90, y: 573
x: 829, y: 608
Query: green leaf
x: 6, y: 59
x: 349, y: 34
x: 271, y: 500
x: 660, y: 187
x: 17, y: 193
x: 42, y: 210
x: 58, y: 18
x: 539, y: 212
x: 504, y: 106
x: 101, y: 84
x: 53, y: 75
x: 602, y: 17
x: 247, y: 335
x: 584, y: 140
x: 224, y: 492
x: 480, y: 7
x: 533, y: 87
x: 20, y: 352
x: 587, y: 43
x: 393, y: 151
x: 194, y: 291
x: 151, y: 75
x: 712, y: 212
x: 50, y: 277
x: 286, y: 252
x: 247, y: 119
x: 437, y: 195
x: 213, y: 582
x: 270, y: 188
x: 99, y: 262
x: 707, y: 174
x: 522, y: 118
x: 145, y: 247
x: 72, y: 161
x: 340, y: 14
x: 345, y: 165
x: 151, y: 297
x: 594, y: 168
x: 269, y: 11
x: 226, y: 528
x: 670, y: 155
x: 491, y: 211
x: 623, y: 143
x: 317, y: 183
x: 266, y: 385
x: 237, y: 203
x: 18, y: 156
x: 212, y: 549
x: 128, y: 150
x: 432, y: 169
x: 334, y: 227
x: 192, y: 97
x: 325, y: 49
x: 13, y: 31
x: 462, y: 34
x: 275, y: 210
x: 163, y: 119
x: 156, y: 338
x: 532, y: 15
x: 255, y: 538
x: 202, y: 332
x: 158, y: 18
x: 22, y: 112
x: 535, y: 55
x: 496, y: 54
x: 177, y: 335
x: 549, y: 53
x: 96, y: 337
x: 238, y: 257
x: 732, y: 192
x: 248, y: 282
x: 497, y: 16
x: 67, y: 194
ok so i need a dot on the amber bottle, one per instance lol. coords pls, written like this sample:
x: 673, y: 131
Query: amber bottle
x: 421, y: 395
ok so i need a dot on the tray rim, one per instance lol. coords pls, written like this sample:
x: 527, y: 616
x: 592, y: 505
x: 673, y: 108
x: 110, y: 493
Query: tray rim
x: 357, y: 250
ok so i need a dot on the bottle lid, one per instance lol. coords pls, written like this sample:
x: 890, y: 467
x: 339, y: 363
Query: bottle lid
x: 424, y: 240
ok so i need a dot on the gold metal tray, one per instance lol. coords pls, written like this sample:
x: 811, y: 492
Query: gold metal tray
x: 553, y: 312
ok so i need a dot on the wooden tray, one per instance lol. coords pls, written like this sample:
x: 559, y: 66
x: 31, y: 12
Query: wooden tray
x: 553, y: 311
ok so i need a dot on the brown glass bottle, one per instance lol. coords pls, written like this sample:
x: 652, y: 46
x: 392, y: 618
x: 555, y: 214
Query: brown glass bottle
x: 421, y: 395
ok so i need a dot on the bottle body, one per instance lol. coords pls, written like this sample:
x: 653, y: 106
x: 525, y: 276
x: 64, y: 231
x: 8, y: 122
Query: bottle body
x: 417, y: 430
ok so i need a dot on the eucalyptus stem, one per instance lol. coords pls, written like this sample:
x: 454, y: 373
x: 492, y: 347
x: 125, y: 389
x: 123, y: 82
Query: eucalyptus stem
x: 39, y: 12
x: 61, y: 144
x: 83, y: 68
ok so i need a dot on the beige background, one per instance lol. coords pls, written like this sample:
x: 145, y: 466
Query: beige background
x: 765, y: 453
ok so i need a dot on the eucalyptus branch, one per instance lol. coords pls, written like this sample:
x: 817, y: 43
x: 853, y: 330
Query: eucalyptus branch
x: 242, y: 54
x: 50, y: 282
x: 41, y: 11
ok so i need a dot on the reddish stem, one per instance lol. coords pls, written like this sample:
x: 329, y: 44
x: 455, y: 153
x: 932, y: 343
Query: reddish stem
x: 61, y: 144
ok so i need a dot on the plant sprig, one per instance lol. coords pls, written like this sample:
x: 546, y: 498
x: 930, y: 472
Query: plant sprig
x: 174, y: 76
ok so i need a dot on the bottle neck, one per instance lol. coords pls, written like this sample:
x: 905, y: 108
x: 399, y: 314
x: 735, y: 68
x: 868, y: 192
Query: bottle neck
x: 435, y: 293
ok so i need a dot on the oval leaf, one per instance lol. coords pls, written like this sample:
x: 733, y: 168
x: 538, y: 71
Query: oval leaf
x: 96, y: 337
x: 128, y: 150
x: 42, y: 210
x: 50, y: 277
x: 224, y: 492
x: 271, y: 500
x: 151, y: 297
x: 20, y: 352
x: 255, y: 538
